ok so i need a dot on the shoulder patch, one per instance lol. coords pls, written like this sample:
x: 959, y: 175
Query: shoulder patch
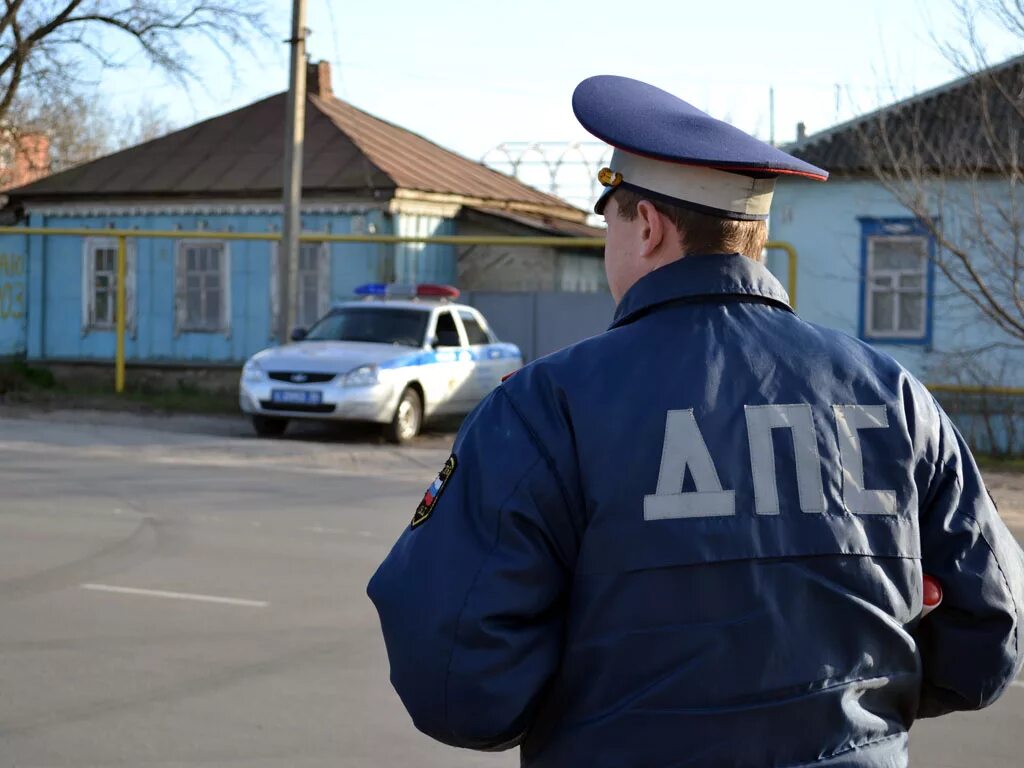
x: 430, y: 498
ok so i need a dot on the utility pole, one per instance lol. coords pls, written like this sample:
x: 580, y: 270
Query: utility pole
x: 288, y: 252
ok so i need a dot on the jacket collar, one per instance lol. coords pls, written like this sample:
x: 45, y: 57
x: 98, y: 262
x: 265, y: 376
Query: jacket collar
x: 701, y: 278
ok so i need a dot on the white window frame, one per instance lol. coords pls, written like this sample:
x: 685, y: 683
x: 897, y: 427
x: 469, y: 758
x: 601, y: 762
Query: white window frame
x: 324, y: 277
x: 89, y: 319
x: 180, y: 288
x: 870, y: 273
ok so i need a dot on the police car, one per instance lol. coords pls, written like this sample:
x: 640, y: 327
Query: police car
x: 396, y: 356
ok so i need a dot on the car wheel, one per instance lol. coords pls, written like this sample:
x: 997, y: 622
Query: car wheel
x: 269, y: 426
x: 408, y: 418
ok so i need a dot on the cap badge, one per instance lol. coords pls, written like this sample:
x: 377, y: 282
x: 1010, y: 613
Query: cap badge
x: 609, y: 178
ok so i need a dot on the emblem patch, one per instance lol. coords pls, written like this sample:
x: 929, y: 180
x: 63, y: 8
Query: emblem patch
x: 434, y: 492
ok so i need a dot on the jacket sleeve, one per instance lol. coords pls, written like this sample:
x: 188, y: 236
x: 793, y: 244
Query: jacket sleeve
x: 471, y: 599
x: 970, y: 644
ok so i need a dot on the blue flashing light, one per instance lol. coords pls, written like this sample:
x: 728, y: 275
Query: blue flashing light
x: 372, y: 289
x: 423, y: 290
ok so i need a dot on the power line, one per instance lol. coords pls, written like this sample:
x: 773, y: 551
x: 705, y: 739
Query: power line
x: 337, y: 74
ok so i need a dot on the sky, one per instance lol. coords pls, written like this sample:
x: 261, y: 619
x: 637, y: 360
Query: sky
x: 472, y: 75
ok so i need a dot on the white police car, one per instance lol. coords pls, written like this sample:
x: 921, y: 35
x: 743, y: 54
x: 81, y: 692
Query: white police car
x: 396, y: 357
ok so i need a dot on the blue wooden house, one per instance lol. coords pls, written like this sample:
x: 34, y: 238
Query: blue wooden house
x: 212, y: 300
x: 918, y: 190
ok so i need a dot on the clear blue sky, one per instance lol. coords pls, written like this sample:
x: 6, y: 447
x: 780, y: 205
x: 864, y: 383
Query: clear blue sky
x: 471, y: 75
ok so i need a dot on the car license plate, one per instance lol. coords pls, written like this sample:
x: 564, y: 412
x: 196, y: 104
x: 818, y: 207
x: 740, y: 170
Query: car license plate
x: 295, y: 397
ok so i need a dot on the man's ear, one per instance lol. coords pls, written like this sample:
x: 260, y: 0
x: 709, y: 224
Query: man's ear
x: 652, y: 228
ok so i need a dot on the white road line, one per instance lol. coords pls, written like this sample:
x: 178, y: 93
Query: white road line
x: 321, y: 529
x: 175, y: 595
x: 1018, y: 683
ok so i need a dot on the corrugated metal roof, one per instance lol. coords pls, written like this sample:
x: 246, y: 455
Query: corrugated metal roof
x: 347, y: 151
x: 239, y: 153
x: 970, y: 125
x: 416, y: 163
x: 542, y: 223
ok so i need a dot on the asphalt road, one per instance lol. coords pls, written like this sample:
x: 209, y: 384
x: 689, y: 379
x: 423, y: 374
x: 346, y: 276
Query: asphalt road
x: 180, y: 594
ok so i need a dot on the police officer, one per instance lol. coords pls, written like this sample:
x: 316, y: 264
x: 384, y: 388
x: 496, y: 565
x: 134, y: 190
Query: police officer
x: 698, y: 539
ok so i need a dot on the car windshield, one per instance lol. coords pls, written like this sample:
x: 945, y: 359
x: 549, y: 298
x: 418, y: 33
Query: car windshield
x: 380, y: 325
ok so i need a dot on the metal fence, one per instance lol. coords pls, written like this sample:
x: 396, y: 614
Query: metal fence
x: 991, y: 419
x: 543, y: 322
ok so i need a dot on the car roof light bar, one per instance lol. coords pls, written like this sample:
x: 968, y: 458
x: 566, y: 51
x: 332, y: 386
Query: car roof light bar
x: 433, y: 290
x: 396, y: 290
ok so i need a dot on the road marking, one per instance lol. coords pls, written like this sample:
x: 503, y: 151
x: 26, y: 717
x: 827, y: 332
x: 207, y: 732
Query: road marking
x: 176, y: 595
x: 1018, y: 683
x: 321, y: 529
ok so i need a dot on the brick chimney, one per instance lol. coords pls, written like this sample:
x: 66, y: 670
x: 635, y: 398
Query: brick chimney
x: 23, y: 159
x: 318, y: 79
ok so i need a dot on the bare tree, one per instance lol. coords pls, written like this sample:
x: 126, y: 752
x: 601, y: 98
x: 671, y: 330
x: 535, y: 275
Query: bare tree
x: 80, y: 128
x: 43, y: 42
x: 955, y: 159
x: 46, y: 46
x: 150, y: 121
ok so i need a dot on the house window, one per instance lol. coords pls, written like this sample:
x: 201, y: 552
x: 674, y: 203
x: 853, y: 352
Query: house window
x: 312, y: 281
x: 897, y: 279
x: 202, y: 287
x: 99, y: 284
x: 103, y: 286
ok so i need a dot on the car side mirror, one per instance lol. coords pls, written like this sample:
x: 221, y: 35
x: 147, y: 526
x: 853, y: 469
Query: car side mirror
x: 434, y: 342
x: 298, y: 334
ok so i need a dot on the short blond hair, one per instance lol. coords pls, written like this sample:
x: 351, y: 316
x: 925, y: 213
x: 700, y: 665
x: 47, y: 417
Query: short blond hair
x: 700, y: 232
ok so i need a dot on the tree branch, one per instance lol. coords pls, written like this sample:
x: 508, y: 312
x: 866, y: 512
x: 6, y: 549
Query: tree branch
x: 40, y: 33
x: 19, y: 67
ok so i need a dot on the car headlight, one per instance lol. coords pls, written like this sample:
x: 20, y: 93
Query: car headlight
x: 363, y: 376
x: 252, y: 372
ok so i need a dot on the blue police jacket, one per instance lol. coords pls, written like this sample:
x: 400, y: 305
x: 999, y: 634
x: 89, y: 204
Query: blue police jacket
x: 698, y: 540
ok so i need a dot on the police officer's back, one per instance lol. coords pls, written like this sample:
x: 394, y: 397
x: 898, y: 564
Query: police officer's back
x: 698, y: 539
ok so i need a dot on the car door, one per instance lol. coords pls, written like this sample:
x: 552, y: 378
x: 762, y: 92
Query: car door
x: 487, y: 369
x: 448, y: 381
